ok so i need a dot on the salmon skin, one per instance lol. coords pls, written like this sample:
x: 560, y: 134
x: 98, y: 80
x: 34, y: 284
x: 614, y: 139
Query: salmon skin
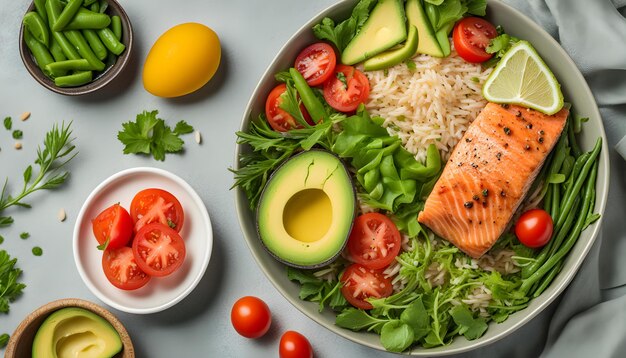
x: 488, y: 175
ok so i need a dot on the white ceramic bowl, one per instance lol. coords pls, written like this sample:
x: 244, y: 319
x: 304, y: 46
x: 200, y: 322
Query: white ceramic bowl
x: 162, y: 292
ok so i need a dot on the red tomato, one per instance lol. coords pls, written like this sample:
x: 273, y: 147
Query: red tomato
x: 471, y: 36
x: 360, y: 283
x: 277, y: 117
x: 534, y: 228
x: 158, y: 249
x: 316, y: 63
x: 374, y: 241
x: 156, y: 205
x: 346, y: 91
x: 113, y: 227
x: 294, y: 345
x: 251, y: 317
x: 121, y: 269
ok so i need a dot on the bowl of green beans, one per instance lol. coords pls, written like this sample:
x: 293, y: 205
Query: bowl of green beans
x: 75, y: 47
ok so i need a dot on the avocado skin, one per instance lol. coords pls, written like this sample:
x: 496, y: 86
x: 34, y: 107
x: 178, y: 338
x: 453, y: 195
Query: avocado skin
x: 388, y: 15
x: 349, y: 191
x: 394, y: 57
x: 44, y: 345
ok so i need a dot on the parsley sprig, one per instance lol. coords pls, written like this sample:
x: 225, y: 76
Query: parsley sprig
x: 57, y: 151
x: 150, y: 135
x: 10, y: 289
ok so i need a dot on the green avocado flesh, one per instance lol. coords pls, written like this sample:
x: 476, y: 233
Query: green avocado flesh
x: 416, y: 16
x: 383, y: 29
x: 394, y: 57
x: 77, y: 333
x: 306, y: 210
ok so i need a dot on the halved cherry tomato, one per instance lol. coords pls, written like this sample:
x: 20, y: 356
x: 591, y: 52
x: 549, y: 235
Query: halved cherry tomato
x: 534, y: 228
x: 316, y: 63
x: 156, y: 205
x: 374, y: 241
x: 346, y: 89
x: 294, y: 345
x: 277, y: 117
x: 471, y: 36
x: 158, y: 249
x: 251, y: 317
x: 113, y: 227
x: 360, y: 283
x: 120, y: 268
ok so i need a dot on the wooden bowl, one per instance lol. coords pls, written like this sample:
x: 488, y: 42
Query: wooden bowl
x: 21, y: 342
x: 101, y: 79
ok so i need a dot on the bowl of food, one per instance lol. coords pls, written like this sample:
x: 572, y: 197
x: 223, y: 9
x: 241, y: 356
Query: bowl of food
x: 75, y: 48
x: 36, y: 334
x: 472, y: 194
x: 142, y: 240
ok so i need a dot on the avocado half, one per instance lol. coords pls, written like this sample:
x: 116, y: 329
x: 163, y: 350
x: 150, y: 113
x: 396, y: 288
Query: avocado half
x: 306, y: 210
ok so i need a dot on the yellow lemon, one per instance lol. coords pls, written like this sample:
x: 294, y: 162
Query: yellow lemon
x: 182, y: 60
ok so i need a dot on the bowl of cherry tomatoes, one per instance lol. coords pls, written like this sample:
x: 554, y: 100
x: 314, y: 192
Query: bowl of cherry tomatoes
x: 142, y: 240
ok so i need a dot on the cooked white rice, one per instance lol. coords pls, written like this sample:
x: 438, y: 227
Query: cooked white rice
x: 433, y: 103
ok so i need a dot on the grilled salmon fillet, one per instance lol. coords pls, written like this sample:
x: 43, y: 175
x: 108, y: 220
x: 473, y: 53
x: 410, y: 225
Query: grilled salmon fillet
x: 488, y: 175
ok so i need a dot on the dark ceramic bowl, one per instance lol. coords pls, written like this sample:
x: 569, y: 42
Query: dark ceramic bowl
x: 101, y: 79
x: 21, y: 342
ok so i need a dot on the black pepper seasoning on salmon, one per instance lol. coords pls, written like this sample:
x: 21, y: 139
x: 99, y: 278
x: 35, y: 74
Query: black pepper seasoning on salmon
x: 468, y: 204
x: 507, y: 130
x: 475, y: 197
x: 502, y: 193
x: 485, y: 192
x: 529, y: 126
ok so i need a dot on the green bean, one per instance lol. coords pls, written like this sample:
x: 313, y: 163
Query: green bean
x: 37, y: 27
x: 110, y: 41
x: 87, y: 19
x: 39, y: 51
x: 560, y: 236
x: 60, y: 68
x: 556, y: 201
x: 568, y: 165
x: 40, y: 7
x: 56, y: 50
x: 77, y: 39
x: 96, y: 45
x: 547, y: 198
x: 116, y: 26
x: 309, y: 99
x: 571, y: 239
x: 104, y: 5
x: 547, y: 280
x: 573, y: 143
x: 53, y: 9
x: 73, y: 80
x: 68, y: 13
x: 572, y: 191
x: 95, y: 7
x: 90, y: 2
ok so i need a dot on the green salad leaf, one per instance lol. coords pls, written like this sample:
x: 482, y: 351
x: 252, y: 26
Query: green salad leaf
x: 396, y: 336
x: 470, y: 327
x: 340, y: 34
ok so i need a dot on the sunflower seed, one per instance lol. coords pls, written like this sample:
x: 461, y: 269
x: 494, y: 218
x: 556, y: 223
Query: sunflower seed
x: 61, y: 215
x: 25, y: 116
x: 198, y: 137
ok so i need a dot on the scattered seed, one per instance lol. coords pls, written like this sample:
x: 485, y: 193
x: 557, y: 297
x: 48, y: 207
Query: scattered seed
x: 198, y: 137
x: 18, y: 145
x: 25, y: 116
x: 61, y: 215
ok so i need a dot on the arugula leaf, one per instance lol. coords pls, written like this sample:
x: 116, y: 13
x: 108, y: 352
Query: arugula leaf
x: 396, y: 336
x: 471, y: 327
x: 150, y: 135
x: 357, y: 320
x: 341, y: 34
x: 10, y: 289
x: 317, y: 290
x: 417, y: 318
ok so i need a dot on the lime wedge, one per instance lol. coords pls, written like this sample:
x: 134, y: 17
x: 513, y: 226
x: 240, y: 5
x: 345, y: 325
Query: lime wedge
x: 521, y: 77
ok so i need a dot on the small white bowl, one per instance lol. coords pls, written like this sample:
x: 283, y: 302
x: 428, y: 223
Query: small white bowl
x: 161, y: 292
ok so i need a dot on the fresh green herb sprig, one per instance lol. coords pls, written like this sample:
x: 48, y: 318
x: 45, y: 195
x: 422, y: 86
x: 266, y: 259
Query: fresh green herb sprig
x: 57, y: 151
x: 10, y: 289
x: 8, y: 123
x: 341, y: 33
x: 150, y: 135
x: 498, y: 46
x: 4, y: 339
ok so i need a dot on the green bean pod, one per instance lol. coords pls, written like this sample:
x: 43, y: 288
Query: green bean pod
x: 68, y: 13
x: 39, y: 51
x: 104, y: 5
x: 77, y: 39
x: 309, y: 99
x: 53, y: 9
x: 96, y: 45
x: 56, y: 50
x: 74, y: 80
x: 547, y: 280
x: 90, y: 2
x: 37, y: 27
x: 110, y: 41
x: 556, y: 201
x: 573, y: 143
x: 95, y: 7
x: 40, y: 7
x: 87, y: 19
x: 60, y: 68
x: 116, y: 26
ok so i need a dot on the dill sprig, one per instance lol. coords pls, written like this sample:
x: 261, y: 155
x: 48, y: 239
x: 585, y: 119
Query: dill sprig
x: 57, y: 151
